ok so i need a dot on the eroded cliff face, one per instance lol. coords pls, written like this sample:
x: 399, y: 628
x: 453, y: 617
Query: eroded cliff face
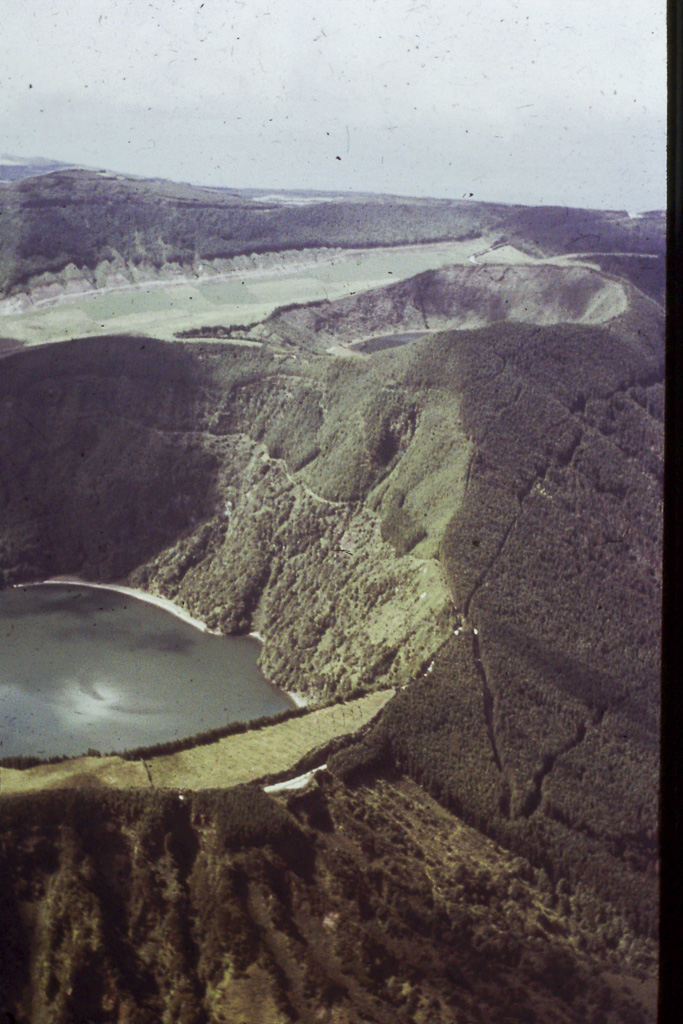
x: 120, y: 275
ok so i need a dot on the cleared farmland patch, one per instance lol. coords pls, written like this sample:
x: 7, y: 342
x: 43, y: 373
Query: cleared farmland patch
x: 164, y: 307
x: 249, y: 755
x: 228, y: 762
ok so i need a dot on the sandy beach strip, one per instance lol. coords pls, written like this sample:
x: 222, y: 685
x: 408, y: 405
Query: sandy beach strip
x: 139, y: 595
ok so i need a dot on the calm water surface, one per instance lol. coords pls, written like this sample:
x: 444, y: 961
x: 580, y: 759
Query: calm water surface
x: 83, y: 667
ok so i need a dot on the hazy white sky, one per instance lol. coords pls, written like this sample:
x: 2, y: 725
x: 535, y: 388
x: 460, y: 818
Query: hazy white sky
x: 532, y: 101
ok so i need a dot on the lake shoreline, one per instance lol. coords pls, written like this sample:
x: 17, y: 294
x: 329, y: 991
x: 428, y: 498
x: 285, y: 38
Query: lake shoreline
x: 141, y: 595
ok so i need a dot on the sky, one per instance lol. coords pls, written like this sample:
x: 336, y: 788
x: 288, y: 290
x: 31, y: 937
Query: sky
x: 559, y: 102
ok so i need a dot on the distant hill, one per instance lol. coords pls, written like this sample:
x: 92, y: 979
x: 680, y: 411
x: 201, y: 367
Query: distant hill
x: 18, y: 168
x: 82, y: 217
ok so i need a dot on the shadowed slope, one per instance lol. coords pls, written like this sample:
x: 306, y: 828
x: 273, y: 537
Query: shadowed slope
x: 474, y: 519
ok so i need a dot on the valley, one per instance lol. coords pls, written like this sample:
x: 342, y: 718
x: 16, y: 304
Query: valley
x: 120, y: 298
x: 451, y: 549
x: 124, y: 298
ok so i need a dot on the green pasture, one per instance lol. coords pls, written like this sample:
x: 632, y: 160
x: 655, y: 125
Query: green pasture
x: 227, y: 762
x: 161, y: 310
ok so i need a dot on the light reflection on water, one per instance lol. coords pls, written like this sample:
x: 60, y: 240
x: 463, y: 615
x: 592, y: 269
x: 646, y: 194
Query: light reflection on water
x: 83, y: 667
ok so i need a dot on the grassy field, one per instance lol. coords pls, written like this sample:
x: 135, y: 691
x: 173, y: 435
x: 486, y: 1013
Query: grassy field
x: 229, y: 762
x: 162, y: 310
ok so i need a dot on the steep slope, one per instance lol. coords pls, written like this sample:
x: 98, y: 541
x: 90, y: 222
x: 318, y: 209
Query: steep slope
x: 309, y: 498
x: 369, y: 906
x: 143, y: 222
x: 236, y: 483
x: 554, y: 564
x: 457, y: 297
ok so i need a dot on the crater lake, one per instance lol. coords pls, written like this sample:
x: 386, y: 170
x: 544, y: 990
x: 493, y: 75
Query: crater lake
x: 86, y: 667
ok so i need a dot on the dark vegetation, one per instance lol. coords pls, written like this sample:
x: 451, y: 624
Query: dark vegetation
x: 646, y: 272
x: 562, y: 229
x: 8, y: 345
x: 363, y: 905
x: 554, y: 559
x: 42, y: 222
x: 216, y: 331
x: 559, y: 694
x: 252, y: 540
x: 88, y: 490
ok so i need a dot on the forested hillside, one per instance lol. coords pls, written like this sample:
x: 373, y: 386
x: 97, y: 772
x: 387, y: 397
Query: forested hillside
x: 84, y: 217
x: 472, y: 518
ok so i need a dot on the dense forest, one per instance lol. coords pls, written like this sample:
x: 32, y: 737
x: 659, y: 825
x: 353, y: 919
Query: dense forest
x: 359, y: 904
